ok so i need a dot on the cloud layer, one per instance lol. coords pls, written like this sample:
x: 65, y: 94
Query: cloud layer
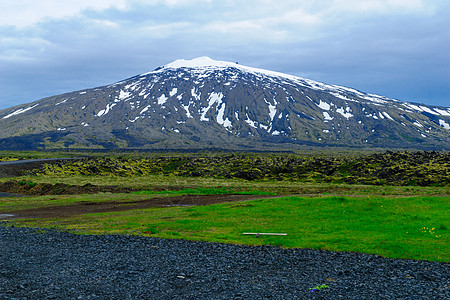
x: 396, y: 48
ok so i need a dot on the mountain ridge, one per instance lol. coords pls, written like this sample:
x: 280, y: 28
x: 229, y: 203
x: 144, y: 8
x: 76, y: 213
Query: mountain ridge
x: 203, y: 103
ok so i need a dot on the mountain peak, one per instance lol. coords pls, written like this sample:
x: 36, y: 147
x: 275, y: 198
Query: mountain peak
x: 199, y: 62
x: 206, y: 63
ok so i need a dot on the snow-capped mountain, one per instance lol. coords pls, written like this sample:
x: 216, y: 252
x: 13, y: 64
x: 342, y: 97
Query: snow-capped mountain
x: 203, y: 103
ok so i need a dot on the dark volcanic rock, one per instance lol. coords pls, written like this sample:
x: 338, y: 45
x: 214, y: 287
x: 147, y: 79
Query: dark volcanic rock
x: 46, y: 264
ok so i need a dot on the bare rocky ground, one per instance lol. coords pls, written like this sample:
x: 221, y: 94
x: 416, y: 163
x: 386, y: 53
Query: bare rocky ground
x: 49, y: 264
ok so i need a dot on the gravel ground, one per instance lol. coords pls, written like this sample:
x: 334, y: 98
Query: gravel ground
x: 36, y: 264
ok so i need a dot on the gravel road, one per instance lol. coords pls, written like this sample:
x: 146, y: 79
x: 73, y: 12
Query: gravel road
x: 36, y: 264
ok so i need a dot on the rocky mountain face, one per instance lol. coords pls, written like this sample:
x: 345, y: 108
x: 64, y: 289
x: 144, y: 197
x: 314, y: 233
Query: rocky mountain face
x: 207, y: 104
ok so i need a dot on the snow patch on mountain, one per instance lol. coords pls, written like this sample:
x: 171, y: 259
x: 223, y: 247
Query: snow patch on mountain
x: 162, y: 99
x: 224, y: 122
x: 61, y: 102
x: 443, y: 112
x: 324, y: 105
x: 106, y: 110
x: 20, y: 111
x: 173, y: 92
x: 250, y: 122
x: 418, y: 124
x: 388, y: 116
x: 186, y: 108
x: 144, y: 109
x: 124, y: 95
x: 327, y: 116
x: 213, y: 98
x: 345, y: 113
x: 444, y: 124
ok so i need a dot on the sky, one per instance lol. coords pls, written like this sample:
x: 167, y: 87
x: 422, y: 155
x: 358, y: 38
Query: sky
x: 395, y: 48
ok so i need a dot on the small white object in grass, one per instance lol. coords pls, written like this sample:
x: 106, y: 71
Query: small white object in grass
x: 264, y: 233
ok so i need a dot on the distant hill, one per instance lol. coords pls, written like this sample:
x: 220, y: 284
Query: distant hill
x: 207, y: 104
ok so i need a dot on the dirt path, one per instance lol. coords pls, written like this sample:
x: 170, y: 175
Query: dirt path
x: 114, y: 206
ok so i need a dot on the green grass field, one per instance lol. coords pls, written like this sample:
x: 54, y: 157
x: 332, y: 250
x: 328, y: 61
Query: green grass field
x: 413, y: 227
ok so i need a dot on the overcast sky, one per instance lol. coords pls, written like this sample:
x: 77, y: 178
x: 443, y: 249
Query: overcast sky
x: 395, y: 48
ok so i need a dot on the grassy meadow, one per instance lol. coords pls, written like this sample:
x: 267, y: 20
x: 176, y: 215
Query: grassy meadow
x: 399, y: 221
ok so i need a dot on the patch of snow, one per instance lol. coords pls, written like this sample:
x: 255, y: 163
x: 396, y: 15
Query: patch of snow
x: 176, y: 130
x: 387, y: 116
x: 412, y: 106
x: 84, y: 106
x: 84, y: 124
x: 236, y: 115
x: 418, y: 124
x: 124, y: 95
x: 162, y: 99
x: 225, y: 123
x: 20, y: 111
x: 324, y: 105
x: 340, y: 96
x: 444, y: 124
x: 64, y: 101
x: 345, y: 114
x: 327, y: 116
x: 276, y: 132
x: 173, y: 92
x: 106, y: 110
x: 426, y: 109
x: 374, y: 98
x: 186, y: 108
x: 61, y: 129
x: 194, y: 94
x: 443, y: 112
x: 251, y: 122
x: 213, y: 98
x: 144, y: 109
x: 326, y: 131
x: 82, y: 93
x: 272, y: 108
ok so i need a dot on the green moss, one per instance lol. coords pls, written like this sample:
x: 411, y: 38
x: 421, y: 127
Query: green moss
x: 389, y: 168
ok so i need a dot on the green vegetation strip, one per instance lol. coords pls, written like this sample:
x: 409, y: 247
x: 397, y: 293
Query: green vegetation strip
x: 388, y: 168
x: 412, y: 228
